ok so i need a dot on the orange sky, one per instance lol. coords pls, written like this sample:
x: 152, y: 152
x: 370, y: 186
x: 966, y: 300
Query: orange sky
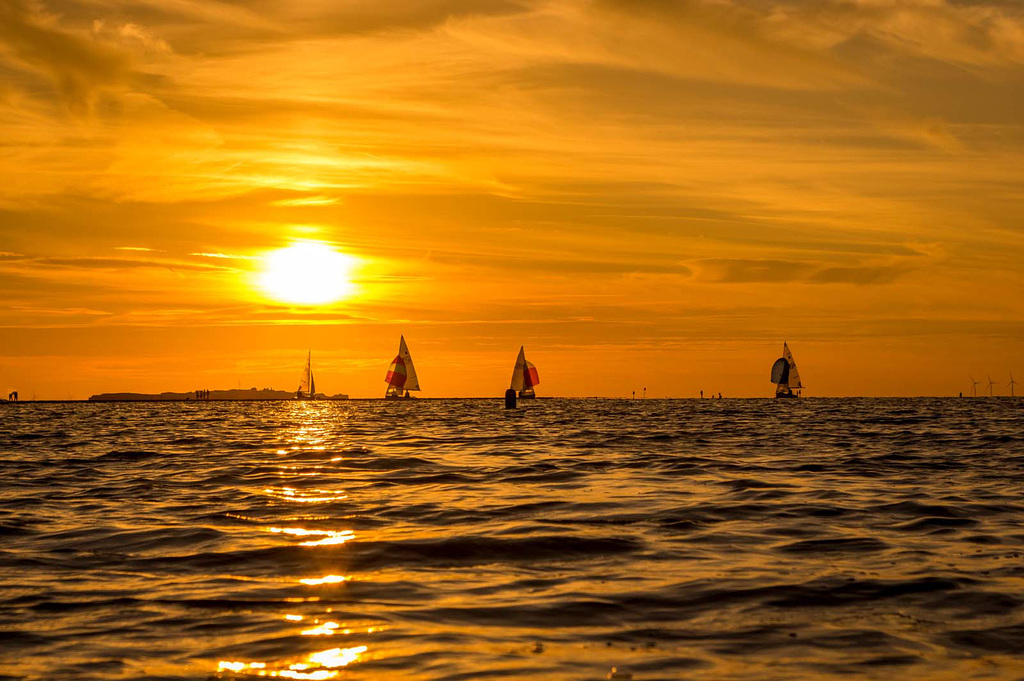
x: 643, y: 193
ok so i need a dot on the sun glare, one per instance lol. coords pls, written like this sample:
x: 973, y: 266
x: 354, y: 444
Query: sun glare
x: 308, y: 273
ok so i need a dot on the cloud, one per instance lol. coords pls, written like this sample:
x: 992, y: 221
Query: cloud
x: 87, y: 263
x: 317, y: 200
x: 884, y: 274
x: 698, y: 41
x: 549, y: 263
x: 747, y: 271
x: 595, y: 168
x: 216, y: 28
x: 223, y: 256
x: 78, y: 67
x: 974, y: 33
x: 328, y: 18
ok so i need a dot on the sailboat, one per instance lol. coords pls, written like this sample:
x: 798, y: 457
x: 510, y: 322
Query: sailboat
x: 524, y: 376
x: 307, y: 386
x: 785, y: 376
x: 401, y: 374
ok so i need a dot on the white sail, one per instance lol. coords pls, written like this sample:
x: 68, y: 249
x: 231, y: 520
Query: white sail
x: 794, y: 375
x: 306, y: 382
x: 519, y: 370
x: 412, y: 382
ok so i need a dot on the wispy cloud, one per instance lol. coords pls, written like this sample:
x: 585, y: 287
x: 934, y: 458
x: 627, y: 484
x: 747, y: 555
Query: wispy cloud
x: 746, y: 271
x: 78, y: 67
x: 223, y: 256
x: 92, y: 263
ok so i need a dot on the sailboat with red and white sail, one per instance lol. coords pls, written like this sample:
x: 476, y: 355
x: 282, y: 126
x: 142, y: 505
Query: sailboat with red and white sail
x: 401, y: 377
x: 524, y: 376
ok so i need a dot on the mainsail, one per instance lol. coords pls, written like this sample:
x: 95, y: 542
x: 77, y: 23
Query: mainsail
x: 794, y: 375
x: 524, y: 375
x: 402, y: 373
x: 307, y: 386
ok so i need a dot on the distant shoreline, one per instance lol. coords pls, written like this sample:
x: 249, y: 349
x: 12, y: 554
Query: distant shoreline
x: 498, y: 398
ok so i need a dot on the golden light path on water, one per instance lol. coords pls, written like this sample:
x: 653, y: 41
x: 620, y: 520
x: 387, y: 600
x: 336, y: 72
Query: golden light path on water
x: 323, y: 664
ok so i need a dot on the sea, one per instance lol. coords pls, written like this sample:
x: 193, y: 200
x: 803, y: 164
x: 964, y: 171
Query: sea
x: 566, y: 539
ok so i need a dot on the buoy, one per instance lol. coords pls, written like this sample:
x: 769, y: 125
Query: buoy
x: 510, y: 399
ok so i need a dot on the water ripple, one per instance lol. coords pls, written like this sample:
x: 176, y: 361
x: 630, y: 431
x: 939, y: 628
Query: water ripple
x: 571, y: 539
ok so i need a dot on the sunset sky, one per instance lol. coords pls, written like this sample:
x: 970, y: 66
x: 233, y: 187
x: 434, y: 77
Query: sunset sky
x: 643, y: 193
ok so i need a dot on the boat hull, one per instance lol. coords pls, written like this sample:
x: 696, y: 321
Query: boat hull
x: 398, y: 396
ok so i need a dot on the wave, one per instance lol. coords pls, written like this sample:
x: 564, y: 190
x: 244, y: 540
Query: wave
x: 666, y: 539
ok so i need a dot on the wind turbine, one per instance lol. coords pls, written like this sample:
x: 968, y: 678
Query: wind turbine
x: 1011, y: 384
x: 974, y: 386
x: 990, y: 384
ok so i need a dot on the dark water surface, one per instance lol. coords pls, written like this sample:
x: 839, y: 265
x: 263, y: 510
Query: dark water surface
x: 733, y: 539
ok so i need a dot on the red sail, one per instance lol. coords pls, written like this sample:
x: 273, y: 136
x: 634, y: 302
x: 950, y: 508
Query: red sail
x: 396, y: 373
x: 530, y: 375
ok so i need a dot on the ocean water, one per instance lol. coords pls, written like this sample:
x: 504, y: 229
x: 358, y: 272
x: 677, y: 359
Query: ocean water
x: 569, y: 539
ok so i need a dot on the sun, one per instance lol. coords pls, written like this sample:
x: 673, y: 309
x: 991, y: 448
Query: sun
x: 308, y: 273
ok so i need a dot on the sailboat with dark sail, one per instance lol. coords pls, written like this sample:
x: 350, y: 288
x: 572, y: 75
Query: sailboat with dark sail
x: 401, y: 377
x: 524, y: 377
x: 307, y: 386
x: 785, y: 376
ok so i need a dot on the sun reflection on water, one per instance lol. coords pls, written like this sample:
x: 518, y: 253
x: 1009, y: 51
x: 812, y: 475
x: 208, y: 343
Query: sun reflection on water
x: 328, y: 537
x: 312, y: 496
x: 325, y: 629
x: 326, y: 579
x: 337, y: 657
x: 320, y: 665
